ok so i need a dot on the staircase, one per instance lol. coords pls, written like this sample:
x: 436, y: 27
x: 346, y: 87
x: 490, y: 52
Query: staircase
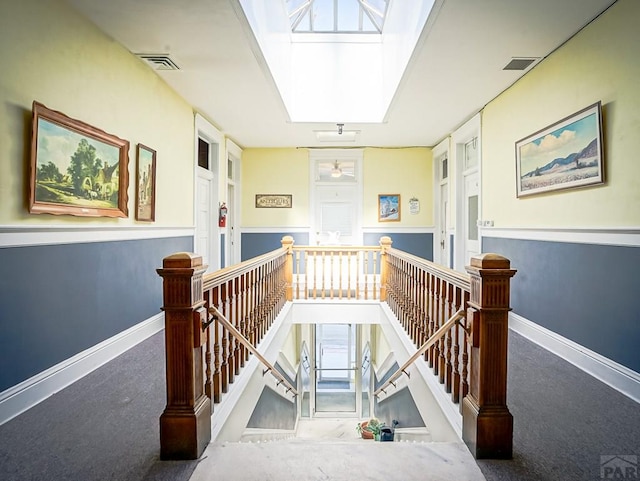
x: 329, y: 449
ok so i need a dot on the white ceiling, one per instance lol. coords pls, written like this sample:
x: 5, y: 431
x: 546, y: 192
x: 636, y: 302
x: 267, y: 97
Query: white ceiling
x: 456, y: 69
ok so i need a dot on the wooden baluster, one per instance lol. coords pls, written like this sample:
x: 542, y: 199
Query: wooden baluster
x: 331, y: 273
x: 368, y: 267
x: 246, y: 309
x: 315, y: 274
x: 349, y: 281
x: 464, y: 388
x: 185, y: 424
x: 431, y: 311
x: 487, y: 424
x: 374, y: 280
x: 415, y: 316
x: 443, y: 319
x: 424, y: 319
x: 207, y: 371
x: 448, y: 368
x: 243, y: 317
x: 255, y: 317
x: 437, y: 324
x: 307, y: 284
x: 357, y: 280
x: 217, y: 349
x: 340, y: 257
x: 455, y: 392
x: 238, y: 353
x: 224, y: 367
x: 297, y: 273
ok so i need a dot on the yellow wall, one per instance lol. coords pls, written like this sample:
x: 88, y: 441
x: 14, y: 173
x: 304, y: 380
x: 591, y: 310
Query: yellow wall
x: 407, y: 172
x: 601, y: 63
x: 404, y: 171
x: 275, y: 171
x: 53, y: 55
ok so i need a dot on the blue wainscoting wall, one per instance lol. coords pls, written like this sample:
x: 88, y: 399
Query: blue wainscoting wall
x: 418, y: 244
x: 58, y: 300
x: 584, y: 292
x: 258, y: 243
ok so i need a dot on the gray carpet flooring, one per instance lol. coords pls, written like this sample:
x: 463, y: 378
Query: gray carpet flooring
x: 564, y: 420
x: 105, y: 426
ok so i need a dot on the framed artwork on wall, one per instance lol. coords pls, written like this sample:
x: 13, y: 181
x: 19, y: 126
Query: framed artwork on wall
x: 564, y: 155
x: 274, y: 201
x: 145, y: 183
x: 76, y: 169
x: 388, y: 207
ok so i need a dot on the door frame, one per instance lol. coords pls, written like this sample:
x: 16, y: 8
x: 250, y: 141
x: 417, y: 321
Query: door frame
x: 315, y: 155
x: 441, y: 255
x: 359, y: 347
x: 470, y: 130
x: 233, y: 238
x: 206, y: 131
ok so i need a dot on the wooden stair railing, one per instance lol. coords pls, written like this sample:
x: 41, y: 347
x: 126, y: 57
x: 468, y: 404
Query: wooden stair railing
x: 218, y: 316
x: 203, y: 358
x: 471, y: 362
x: 435, y: 337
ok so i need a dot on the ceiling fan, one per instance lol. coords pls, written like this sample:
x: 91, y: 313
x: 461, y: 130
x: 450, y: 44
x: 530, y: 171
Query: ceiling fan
x: 337, y: 169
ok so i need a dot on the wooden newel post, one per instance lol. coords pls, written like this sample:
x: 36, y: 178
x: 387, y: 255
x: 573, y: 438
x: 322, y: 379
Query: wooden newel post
x: 287, y: 241
x: 385, y: 245
x: 185, y: 424
x: 487, y: 424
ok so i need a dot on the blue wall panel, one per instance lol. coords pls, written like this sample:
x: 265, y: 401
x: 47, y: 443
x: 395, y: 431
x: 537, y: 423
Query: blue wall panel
x: 586, y: 293
x: 258, y: 243
x: 418, y: 244
x: 58, y: 300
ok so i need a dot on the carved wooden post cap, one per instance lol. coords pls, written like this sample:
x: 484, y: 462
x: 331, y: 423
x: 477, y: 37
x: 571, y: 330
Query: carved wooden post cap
x: 182, y: 260
x: 287, y: 241
x: 385, y: 240
x: 490, y: 261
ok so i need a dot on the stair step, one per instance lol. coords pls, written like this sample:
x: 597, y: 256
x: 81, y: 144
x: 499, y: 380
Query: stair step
x: 322, y: 459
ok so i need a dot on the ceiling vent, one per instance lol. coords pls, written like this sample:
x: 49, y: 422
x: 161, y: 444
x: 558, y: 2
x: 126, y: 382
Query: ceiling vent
x: 159, y: 61
x: 519, y: 63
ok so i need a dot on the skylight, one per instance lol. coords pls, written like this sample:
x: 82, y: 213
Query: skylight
x: 336, y: 61
x: 337, y: 16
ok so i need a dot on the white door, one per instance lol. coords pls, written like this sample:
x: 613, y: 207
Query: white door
x: 231, y: 226
x: 472, y: 214
x: 443, y: 220
x: 204, y: 228
x: 336, y: 215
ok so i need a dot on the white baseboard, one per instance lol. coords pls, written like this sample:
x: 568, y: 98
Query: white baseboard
x: 619, y: 377
x: 17, y: 399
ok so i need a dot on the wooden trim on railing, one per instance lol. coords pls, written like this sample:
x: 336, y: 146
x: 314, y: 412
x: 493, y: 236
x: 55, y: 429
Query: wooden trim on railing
x: 243, y: 340
x: 449, y: 275
x: 430, y: 342
x: 229, y: 273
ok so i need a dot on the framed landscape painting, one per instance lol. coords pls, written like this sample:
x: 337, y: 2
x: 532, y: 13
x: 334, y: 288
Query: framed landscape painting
x: 76, y: 169
x: 564, y: 155
x: 145, y: 183
x: 388, y: 207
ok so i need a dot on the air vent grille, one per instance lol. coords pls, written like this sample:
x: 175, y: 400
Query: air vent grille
x: 519, y: 63
x: 159, y: 61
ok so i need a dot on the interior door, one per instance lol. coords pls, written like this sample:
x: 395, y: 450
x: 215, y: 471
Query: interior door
x: 472, y: 214
x: 335, y: 372
x: 442, y: 228
x: 204, y: 228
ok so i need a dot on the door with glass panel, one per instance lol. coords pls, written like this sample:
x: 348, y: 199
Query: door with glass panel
x: 336, y: 372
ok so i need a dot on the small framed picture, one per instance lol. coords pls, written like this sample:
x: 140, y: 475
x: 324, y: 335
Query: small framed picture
x: 146, y: 184
x: 388, y: 207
